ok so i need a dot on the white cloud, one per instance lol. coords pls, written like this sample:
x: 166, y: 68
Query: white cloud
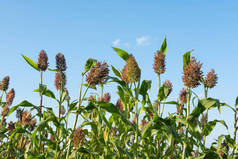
x: 116, y: 42
x: 143, y: 41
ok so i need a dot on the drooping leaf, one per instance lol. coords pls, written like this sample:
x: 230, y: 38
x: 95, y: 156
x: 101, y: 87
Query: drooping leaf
x: 31, y: 62
x: 116, y: 72
x: 24, y: 103
x: 163, y: 48
x: 208, y: 127
x: 89, y: 64
x: 145, y: 86
x: 123, y: 54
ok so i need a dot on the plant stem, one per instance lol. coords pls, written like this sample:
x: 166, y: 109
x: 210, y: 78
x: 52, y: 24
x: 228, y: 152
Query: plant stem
x: 41, y: 100
x: 158, y: 95
x: 187, y: 123
x: 206, y: 114
x: 235, y: 131
x: 137, y: 116
x: 76, y: 119
x: 163, y: 109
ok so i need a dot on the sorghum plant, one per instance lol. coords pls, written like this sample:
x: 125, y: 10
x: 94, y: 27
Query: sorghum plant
x: 135, y: 126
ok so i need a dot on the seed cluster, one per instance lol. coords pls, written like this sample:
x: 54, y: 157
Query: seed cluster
x: 42, y: 60
x: 131, y: 72
x: 192, y: 73
x: 78, y: 137
x: 159, y: 63
x: 211, y: 79
x: 98, y: 74
x: 60, y: 62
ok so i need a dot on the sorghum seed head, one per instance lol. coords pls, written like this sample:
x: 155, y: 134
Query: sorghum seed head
x: 60, y: 62
x: 10, y: 96
x: 106, y: 97
x: 19, y: 113
x: 25, y: 118
x: 192, y: 73
x: 143, y: 123
x: 67, y: 94
x: 159, y: 63
x: 11, y: 127
x: 91, y: 98
x: 5, y: 111
x: 134, y: 120
x: 211, y: 79
x: 113, y: 131
x: 52, y: 138
x: 98, y: 74
x: 119, y: 105
x: 149, y: 112
x: 5, y: 83
x: 32, y: 125
x: 78, y: 137
x: 60, y: 80
x: 183, y: 96
x: 62, y: 110
x: 131, y: 71
x: 42, y: 60
x: 124, y: 75
x: 181, y: 130
x: 180, y: 109
x: 169, y: 85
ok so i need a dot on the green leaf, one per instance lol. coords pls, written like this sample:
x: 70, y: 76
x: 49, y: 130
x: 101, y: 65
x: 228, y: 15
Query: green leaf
x: 186, y: 59
x: 109, y: 107
x: 89, y: 64
x: 116, y: 72
x: 208, y: 127
x: 163, y: 48
x: 90, y: 86
x: 210, y: 103
x: 145, y: 86
x: 122, y: 151
x: 123, y: 54
x: 31, y: 62
x: 46, y: 92
x: 24, y: 103
x: 236, y: 101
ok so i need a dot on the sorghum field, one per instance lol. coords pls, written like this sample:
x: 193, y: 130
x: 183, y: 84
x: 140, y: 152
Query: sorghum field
x: 134, y: 127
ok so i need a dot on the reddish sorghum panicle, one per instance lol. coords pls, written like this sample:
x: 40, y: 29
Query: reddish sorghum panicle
x: 60, y: 62
x: 78, y: 137
x: 119, y: 105
x: 25, y: 118
x: 134, y: 120
x: 91, y: 98
x: 169, y: 85
x: 52, y: 138
x: 42, y: 60
x: 124, y: 75
x: 106, y: 97
x: 98, y: 74
x: 32, y: 125
x: 183, y: 96
x: 192, y: 73
x: 10, y: 96
x: 67, y: 94
x: 62, y: 110
x: 180, y: 109
x: 11, y: 127
x: 131, y: 71
x: 60, y: 80
x: 5, y: 83
x: 211, y: 79
x: 159, y: 63
x: 143, y: 123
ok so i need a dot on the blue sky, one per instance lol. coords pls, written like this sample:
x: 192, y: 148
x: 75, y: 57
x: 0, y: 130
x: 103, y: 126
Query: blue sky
x: 83, y: 29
